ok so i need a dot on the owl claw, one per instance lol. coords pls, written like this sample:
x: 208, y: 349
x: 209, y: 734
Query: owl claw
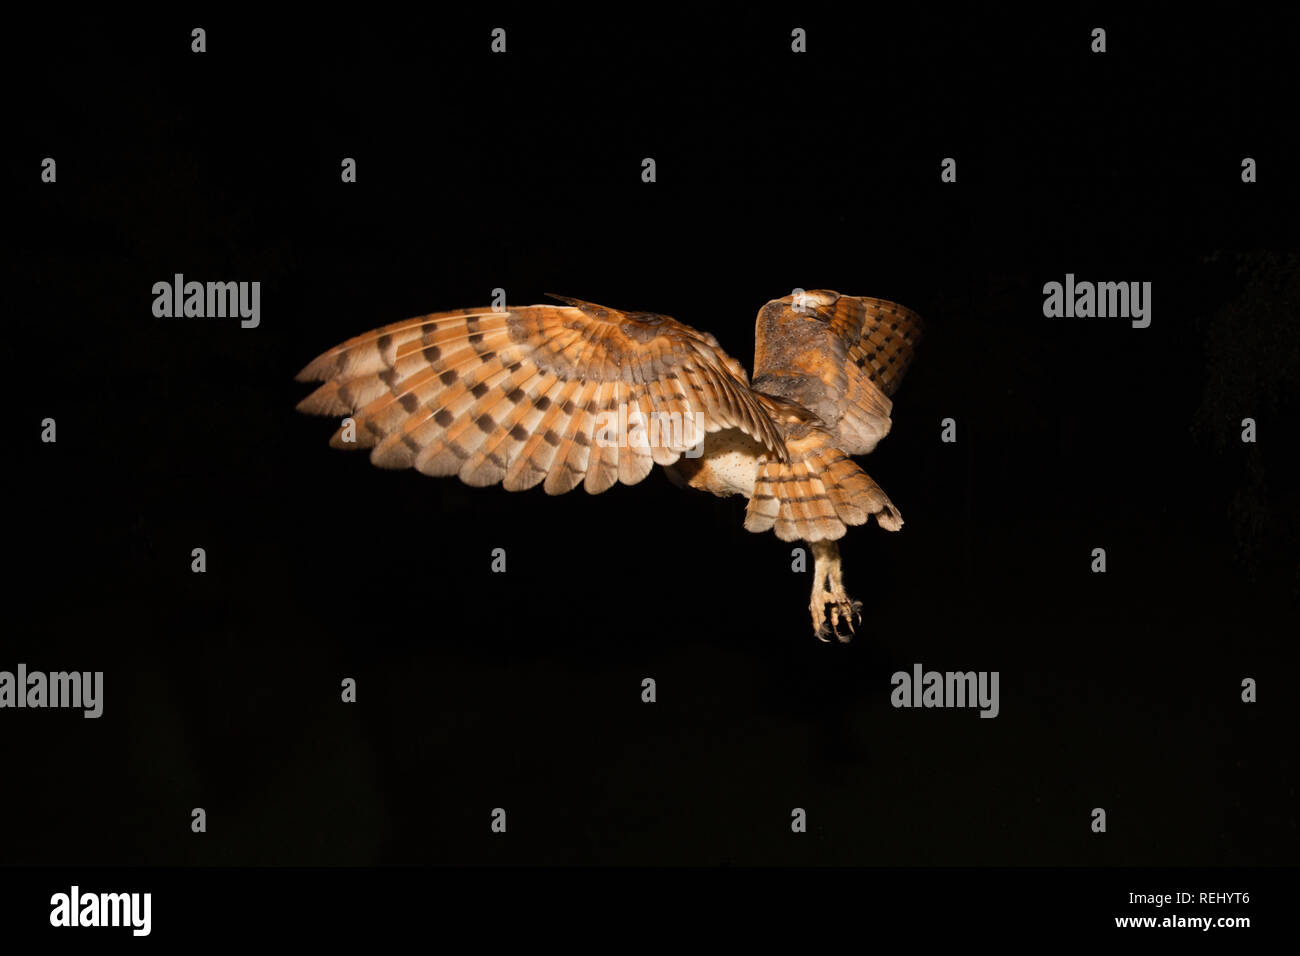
x: 852, y: 613
x: 845, y: 613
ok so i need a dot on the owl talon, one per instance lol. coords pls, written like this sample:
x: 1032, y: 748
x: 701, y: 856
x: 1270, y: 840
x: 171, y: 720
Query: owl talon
x: 850, y: 610
x: 844, y: 614
x: 820, y: 628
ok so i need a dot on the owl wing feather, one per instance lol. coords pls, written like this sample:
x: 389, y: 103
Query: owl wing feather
x: 839, y: 356
x: 525, y: 395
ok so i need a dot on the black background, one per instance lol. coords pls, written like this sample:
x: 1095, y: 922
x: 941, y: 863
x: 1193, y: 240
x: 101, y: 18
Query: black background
x: 522, y: 690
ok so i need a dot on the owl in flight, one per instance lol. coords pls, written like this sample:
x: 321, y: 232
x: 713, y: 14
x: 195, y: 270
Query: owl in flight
x: 581, y: 394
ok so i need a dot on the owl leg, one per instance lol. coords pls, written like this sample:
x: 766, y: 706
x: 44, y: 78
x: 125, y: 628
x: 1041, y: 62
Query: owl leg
x: 828, y: 588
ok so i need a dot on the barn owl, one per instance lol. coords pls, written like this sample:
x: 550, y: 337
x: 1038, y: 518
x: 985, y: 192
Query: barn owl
x: 562, y: 395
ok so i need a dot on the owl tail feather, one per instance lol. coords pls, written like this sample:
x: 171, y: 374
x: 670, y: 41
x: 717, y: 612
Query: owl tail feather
x: 815, y: 495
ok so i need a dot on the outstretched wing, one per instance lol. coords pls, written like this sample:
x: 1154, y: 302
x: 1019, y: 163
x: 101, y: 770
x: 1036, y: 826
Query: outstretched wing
x: 839, y: 356
x: 530, y: 393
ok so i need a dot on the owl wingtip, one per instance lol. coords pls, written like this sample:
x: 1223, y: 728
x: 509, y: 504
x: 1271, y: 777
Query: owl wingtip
x: 317, y: 370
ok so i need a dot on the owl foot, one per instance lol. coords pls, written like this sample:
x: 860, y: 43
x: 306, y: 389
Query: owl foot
x: 828, y: 588
x: 845, y: 613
